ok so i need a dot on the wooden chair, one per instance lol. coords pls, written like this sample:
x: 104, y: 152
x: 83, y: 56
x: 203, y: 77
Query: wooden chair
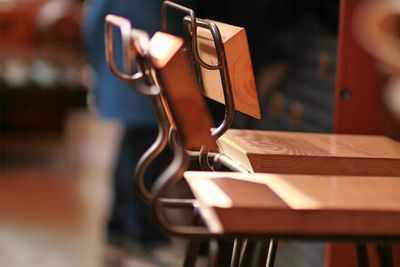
x: 223, y: 47
x: 267, y: 151
x: 276, y: 205
x: 310, y: 153
x: 180, y: 115
x: 171, y: 97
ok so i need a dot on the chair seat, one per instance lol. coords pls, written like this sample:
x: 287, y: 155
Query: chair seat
x: 312, y: 153
x: 303, y: 205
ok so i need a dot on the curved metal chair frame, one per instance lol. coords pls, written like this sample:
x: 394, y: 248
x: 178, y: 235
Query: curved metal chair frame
x: 190, y: 23
x: 180, y: 163
x: 135, y: 48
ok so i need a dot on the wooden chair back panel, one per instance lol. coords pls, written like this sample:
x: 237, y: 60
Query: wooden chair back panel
x: 182, y: 94
x: 239, y: 66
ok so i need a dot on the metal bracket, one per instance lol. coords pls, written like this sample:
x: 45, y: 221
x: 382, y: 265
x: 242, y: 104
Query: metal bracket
x: 190, y: 23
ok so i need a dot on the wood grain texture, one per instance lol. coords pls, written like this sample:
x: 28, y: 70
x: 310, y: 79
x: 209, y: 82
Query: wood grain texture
x: 239, y: 65
x: 312, y: 153
x: 182, y: 94
x: 299, y: 204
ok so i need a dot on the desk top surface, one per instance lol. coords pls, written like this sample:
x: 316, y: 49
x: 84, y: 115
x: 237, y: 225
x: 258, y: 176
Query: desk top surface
x: 313, y: 144
x: 302, y: 204
x: 312, y: 153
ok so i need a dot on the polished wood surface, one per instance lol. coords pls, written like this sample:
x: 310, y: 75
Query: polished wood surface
x: 298, y: 204
x: 177, y: 81
x: 239, y: 65
x: 312, y: 153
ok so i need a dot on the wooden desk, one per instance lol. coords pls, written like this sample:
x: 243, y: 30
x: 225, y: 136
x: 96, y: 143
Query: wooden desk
x: 298, y: 205
x: 312, y: 153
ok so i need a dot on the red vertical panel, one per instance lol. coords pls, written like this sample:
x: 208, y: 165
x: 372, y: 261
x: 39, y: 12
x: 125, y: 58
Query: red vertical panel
x: 358, y: 109
x: 358, y: 105
x: 359, y: 85
x: 341, y: 255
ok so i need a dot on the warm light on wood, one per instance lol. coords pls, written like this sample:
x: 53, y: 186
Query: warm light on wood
x: 300, y: 204
x: 175, y: 75
x: 239, y: 65
x: 312, y: 153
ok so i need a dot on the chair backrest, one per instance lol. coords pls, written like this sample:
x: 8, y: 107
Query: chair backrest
x: 240, y: 69
x: 134, y: 44
x: 222, y: 61
x: 178, y: 84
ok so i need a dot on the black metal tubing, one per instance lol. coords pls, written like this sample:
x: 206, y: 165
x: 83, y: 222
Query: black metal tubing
x: 238, y: 246
x: 362, y: 255
x: 222, y: 66
x: 273, y: 247
x: 191, y: 13
x: 190, y: 28
x: 155, y: 149
x: 129, y: 55
x: 385, y: 255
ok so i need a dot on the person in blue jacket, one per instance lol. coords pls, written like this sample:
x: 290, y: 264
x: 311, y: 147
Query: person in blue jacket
x: 115, y: 99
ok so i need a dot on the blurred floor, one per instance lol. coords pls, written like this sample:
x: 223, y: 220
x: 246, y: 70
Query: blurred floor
x: 55, y: 193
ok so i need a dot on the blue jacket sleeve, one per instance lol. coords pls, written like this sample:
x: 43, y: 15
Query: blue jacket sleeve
x: 113, y: 97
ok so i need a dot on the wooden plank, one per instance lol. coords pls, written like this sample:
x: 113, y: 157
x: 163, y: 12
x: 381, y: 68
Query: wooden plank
x: 312, y: 153
x: 299, y: 204
x: 183, y: 96
x: 239, y: 65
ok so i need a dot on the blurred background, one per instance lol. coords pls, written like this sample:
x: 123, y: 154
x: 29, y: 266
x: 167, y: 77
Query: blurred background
x: 52, y: 146
x: 52, y: 209
x: 43, y: 71
x: 56, y: 156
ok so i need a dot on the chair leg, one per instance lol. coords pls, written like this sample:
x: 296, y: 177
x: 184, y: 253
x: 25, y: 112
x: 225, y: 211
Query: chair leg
x: 254, y: 253
x: 220, y: 252
x: 262, y: 255
x: 385, y: 255
x: 362, y: 256
x: 213, y: 253
x: 236, y: 252
x: 193, y: 244
x: 192, y: 251
x: 243, y: 253
x: 273, y: 246
x: 259, y: 253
